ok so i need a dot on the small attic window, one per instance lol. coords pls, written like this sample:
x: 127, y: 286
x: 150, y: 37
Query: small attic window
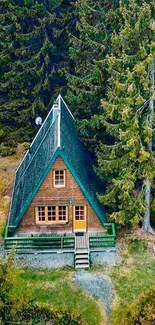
x: 59, y: 178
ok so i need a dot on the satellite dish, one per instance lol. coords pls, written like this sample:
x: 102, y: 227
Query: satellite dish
x: 38, y: 120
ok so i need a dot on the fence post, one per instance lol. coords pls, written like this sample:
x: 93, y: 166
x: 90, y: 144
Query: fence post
x: 61, y: 242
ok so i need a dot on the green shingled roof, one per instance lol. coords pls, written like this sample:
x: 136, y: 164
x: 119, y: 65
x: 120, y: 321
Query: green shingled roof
x: 57, y: 137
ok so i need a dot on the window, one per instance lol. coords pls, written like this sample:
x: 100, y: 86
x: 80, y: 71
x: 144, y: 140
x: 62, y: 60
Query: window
x: 51, y: 214
x: 62, y: 213
x: 59, y: 178
x: 41, y: 213
x: 80, y: 212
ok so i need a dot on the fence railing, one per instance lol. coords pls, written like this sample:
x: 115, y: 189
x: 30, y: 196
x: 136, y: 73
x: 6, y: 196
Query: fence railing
x: 107, y: 239
x: 56, y: 242
x: 39, y: 243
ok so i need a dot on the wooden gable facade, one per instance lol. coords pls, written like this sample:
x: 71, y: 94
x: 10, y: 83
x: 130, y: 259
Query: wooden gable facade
x: 59, y: 208
x: 55, y: 186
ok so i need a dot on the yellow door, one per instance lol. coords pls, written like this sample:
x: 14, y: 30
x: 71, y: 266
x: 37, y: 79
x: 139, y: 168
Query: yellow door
x: 79, y: 218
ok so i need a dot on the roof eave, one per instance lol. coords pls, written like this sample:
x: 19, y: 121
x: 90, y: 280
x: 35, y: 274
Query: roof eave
x: 30, y: 199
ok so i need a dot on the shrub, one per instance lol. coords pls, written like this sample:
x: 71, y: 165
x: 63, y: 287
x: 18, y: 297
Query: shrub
x: 6, y: 151
x: 33, y: 314
x: 142, y: 312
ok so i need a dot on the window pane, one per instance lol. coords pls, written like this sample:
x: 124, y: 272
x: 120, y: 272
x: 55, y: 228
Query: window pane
x: 41, y: 213
x: 62, y: 213
x: 51, y: 213
x: 59, y: 177
x: 79, y: 212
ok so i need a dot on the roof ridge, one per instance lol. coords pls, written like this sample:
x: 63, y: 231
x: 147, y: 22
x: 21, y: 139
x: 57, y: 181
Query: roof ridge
x: 59, y: 120
x: 61, y: 98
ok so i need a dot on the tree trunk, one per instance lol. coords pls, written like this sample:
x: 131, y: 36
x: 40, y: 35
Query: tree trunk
x: 146, y: 222
x: 147, y: 183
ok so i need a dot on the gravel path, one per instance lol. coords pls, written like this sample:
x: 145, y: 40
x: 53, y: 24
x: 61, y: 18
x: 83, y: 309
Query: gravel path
x: 96, y: 284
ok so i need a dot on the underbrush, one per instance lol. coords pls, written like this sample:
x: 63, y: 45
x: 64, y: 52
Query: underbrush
x: 140, y: 312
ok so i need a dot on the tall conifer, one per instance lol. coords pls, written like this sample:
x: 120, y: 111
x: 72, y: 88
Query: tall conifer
x: 87, y: 75
x: 127, y: 159
x: 34, y: 52
x: 25, y: 58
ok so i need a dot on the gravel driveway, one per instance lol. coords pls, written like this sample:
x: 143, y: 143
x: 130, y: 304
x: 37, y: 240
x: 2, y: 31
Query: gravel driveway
x: 96, y: 284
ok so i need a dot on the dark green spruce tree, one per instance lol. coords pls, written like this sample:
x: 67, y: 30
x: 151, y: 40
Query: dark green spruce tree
x: 87, y: 76
x: 127, y: 159
x: 34, y: 52
x: 25, y: 60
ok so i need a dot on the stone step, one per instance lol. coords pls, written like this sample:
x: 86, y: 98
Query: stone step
x: 81, y: 257
x: 82, y: 261
x: 82, y: 266
x: 81, y: 253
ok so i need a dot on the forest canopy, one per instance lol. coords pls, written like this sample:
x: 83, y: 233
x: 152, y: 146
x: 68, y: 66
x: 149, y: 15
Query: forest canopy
x: 100, y: 56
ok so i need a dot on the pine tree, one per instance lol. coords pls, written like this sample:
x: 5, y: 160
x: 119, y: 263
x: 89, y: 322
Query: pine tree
x: 62, y: 25
x: 25, y: 57
x: 126, y: 159
x: 34, y: 53
x: 87, y: 74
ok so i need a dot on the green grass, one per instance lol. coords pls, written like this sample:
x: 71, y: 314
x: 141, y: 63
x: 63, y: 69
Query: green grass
x: 130, y: 281
x: 133, y: 276
x: 38, y: 276
x: 56, y: 289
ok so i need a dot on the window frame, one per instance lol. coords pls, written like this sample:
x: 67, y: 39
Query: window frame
x: 49, y: 222
x: 64, y: 178
x: 41, y: 221
x: 66, y: 220
x: 85, y: 212
x: 50, y: 206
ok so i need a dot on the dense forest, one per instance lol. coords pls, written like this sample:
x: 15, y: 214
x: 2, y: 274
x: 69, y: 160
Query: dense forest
x: 100, y: 56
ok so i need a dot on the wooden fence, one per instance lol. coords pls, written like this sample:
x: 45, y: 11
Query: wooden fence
x: 107, y: 239
x: 39, y: 243
x: 57, y: 242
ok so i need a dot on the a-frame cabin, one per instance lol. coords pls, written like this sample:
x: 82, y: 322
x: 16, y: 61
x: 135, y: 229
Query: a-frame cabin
x: 55, y: 187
